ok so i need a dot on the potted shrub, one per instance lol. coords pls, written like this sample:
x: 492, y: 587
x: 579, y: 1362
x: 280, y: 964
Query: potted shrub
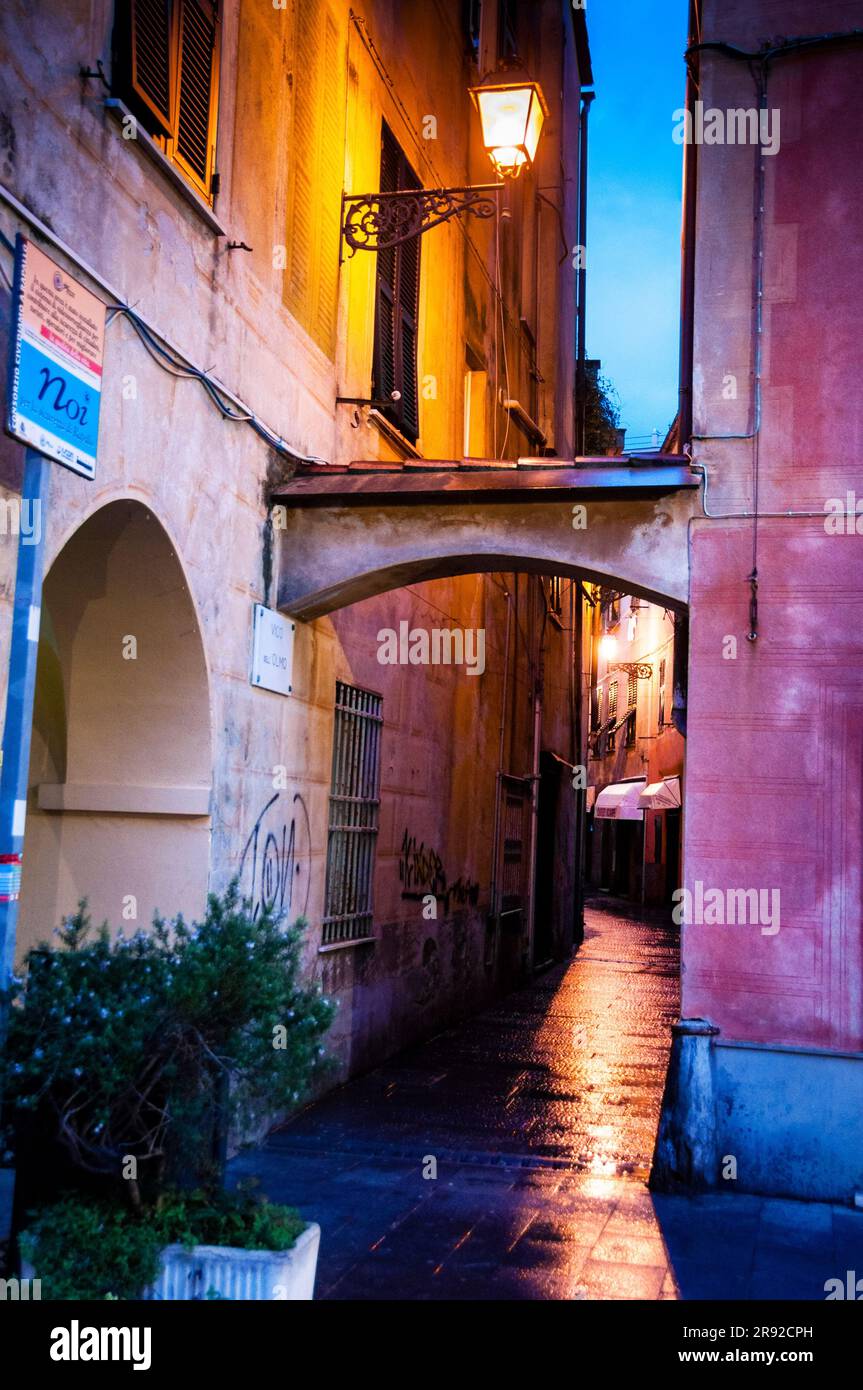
x: 189, y: 1246
x: 134, y: 1056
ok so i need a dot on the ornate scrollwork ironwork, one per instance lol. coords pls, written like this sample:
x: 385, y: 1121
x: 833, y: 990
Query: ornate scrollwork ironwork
x: 377, y: 221
x: 642, y: 670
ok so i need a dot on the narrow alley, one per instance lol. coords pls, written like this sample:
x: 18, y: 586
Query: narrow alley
x: 540, y: 1116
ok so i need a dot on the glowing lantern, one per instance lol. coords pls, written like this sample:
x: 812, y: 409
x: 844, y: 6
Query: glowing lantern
x: 512, y: 116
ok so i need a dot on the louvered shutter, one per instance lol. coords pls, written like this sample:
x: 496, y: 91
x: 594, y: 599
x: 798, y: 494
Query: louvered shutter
x: 408, y: 278
x: 384, y: 371
x: 302, y: 154
x: 316, y: 175
x: 167, y: 67
x: 331, y: 179
x: 195, y: 148
x: 151, y: 53
x: 397, y: 305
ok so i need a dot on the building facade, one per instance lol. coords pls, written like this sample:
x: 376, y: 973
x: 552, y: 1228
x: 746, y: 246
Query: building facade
x: 769, y: 1062
x: 187, y: 162
x: 635, y: 763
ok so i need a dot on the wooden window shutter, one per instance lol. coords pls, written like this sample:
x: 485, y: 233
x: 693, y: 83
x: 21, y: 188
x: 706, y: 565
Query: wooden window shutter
x: 151, y: 54
x: 385, y: 376
x: 316, y: 175
x: 167, y: 54
x: 197, y: 82
x: 397, y: 305
x: 409, y: 288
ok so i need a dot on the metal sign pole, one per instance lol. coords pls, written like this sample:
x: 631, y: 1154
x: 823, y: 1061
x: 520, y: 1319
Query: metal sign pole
x: 17, y: 732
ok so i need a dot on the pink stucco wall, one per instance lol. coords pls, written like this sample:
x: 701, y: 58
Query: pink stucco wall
x: 774, y: 749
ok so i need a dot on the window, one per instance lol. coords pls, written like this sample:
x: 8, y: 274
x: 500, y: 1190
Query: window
x: 611, y: 736
x: 316, y: 163
x: 631, y: 690
x: 475, y: 390
x: 394, y: 377
x: 554, y: 595
x: 609, y: 608
x: 507, y: 30
x: 661, y: 716
x: 596, y: 707
x: 166, y: 69
x: 472, y: 18
x: 354, y: 808
x: 612, y: 700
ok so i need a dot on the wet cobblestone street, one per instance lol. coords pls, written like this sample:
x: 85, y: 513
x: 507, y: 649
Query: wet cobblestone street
x: 541, y: 1115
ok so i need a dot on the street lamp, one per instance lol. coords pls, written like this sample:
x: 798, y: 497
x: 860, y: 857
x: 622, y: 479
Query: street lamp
x: 608, y: 647
x: 512, y: 115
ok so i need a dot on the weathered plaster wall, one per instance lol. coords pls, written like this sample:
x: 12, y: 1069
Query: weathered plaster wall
x: 204, y: 483
x: 781, y: 717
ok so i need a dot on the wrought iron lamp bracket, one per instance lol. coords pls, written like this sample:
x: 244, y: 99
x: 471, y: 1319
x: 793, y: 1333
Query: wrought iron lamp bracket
x: 642, y: 670
x: 379, y: 221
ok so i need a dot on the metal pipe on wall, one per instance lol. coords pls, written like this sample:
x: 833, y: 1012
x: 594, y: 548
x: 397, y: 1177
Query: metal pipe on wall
x: 495, y: 862
x: 534, y: 784
x: 581, y: 305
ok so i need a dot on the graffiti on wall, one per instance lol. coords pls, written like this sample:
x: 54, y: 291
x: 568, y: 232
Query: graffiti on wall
x: 422, y: 873
x: 275, y: 863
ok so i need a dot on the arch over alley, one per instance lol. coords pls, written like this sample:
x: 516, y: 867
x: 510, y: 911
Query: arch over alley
x: 346, y: 534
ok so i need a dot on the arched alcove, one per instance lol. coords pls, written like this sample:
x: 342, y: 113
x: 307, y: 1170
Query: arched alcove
x: 120, y: 767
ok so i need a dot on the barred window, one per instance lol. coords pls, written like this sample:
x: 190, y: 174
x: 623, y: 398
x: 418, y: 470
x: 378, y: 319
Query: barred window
x: 166, y: 69
x: 354, y: 810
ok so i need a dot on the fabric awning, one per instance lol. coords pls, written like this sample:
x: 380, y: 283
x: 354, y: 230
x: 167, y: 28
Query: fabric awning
x: 661, y: 796
x: 620, y: 801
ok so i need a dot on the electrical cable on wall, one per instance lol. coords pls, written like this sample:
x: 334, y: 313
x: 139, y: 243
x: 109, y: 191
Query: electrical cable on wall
x: 170, y: 359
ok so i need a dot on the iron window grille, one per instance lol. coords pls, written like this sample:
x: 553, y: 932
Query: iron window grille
x: 354, y: 816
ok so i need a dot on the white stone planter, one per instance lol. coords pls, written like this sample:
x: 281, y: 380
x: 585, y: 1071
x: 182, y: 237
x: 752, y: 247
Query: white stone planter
x: 261, y: 1275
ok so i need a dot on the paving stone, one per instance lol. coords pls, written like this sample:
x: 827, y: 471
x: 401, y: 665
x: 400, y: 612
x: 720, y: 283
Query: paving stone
x: 542, y: 1115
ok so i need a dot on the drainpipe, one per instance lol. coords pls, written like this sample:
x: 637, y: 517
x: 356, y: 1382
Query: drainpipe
x: 534, y: 798
x: 579, y: 752
x: 581, y: 310
x: 687, y: 269
x: 495, y: 860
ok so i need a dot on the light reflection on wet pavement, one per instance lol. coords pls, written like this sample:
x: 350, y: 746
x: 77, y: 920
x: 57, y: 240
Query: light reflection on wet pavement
x: 541, y: 1114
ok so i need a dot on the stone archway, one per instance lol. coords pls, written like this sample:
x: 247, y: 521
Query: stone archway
x: 121, y: 761
x: 344, y: 539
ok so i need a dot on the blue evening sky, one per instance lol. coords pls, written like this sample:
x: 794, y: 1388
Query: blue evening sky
x: 634, y: 199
